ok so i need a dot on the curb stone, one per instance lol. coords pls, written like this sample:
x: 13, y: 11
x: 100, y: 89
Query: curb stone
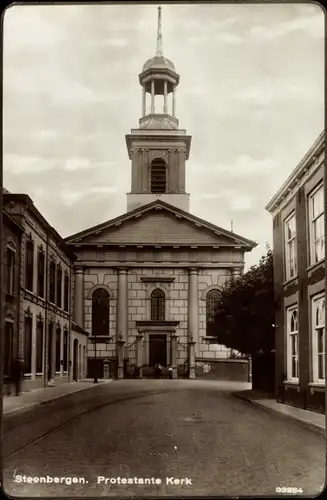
x: 23, y: 409
x: 309, y: 425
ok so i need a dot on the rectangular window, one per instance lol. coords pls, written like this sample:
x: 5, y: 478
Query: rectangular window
x: 29, y: 265
x: 318, y: 339
x: 52, y: 283
x: 65, y: 350
x: 58, y: 345
x: 40, y: 273
x: 66, y: 293
x: 28, y: 345
x: 292, y: 344
x: 59, y: 287
x: 317, y: 225
x: 290, y: 247
x: 8, y: 348
x: 39, y: 347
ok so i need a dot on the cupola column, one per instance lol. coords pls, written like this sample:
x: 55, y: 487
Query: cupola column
x: 152, y: 97
x: 143, y: 101
x: 165, y: 98
x: 174, y: 102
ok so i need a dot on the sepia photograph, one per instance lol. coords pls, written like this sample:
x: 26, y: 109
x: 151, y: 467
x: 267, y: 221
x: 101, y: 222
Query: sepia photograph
x: 163, y: 298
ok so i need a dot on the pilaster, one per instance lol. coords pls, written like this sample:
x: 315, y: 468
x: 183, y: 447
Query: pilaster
x: 181, y: 171
x: 139, y: 360
x: 33, y: 353
x: 53, y: 350
x: 35, y: 273
x: 191, y: 358
x: 173, y: 354
x: 61, y: 351
x: 122, y: 305
x: 79, y: 297
x: 193, y: 305
x: 120, y: 358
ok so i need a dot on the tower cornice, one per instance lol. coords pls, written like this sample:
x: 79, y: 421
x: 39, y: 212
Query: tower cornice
x: 159, y: 140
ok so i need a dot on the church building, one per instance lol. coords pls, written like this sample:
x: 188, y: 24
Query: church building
x: 146, y: 282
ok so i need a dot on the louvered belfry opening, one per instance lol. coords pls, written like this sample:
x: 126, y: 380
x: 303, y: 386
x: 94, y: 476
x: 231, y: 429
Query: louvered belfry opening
x: 158, y: 176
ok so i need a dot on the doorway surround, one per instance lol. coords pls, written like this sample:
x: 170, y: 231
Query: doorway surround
x: 148, y: 328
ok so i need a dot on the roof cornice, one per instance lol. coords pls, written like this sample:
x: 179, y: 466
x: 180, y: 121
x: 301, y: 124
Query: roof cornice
x: 309, y: 161
x: 25, y: 199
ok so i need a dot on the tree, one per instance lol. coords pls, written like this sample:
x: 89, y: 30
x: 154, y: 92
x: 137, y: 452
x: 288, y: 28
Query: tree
x: 245, y: 314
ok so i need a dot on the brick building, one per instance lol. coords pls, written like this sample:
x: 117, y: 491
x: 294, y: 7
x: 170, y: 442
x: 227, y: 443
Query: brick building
x: 146, y: 283
x: 11, y: 240
x: 299, y: 282
x: 39, y: 328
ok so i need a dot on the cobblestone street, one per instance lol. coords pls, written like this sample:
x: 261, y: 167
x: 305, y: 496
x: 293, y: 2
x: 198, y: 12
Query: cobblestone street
x: 191, y: 430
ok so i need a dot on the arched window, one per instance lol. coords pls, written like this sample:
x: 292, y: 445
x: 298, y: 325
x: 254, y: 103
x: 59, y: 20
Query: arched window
x: 212, y: 299
x: 100, y: 312
x: 157, y: 305
x: 158, y: 176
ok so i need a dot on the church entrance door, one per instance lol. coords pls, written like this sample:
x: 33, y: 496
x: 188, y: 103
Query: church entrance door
x: 157, y: 350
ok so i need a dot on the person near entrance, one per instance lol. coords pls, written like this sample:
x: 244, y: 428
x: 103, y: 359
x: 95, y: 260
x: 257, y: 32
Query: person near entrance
x: 159, y: 370
x: 170, y: 371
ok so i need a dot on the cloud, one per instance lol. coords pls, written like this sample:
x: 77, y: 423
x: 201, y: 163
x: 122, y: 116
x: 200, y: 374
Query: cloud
x: 18, y: 164
x: 200, y: 90
x: 70, y: 197
x: 245, y: 166
x: 24, y: 27
x: 231, y: 198
x: 46, y: 134
x: 242, y: 167
x: 264, y: 93
x: 227, y: 38
x: 242, y: 203
x: 311, y: 25
x: 74, y: 164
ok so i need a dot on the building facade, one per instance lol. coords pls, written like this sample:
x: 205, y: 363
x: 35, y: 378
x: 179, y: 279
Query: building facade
x: 11, y: 240
x: 146, y: 283
x: 45, y: 338
x: 299, y: 282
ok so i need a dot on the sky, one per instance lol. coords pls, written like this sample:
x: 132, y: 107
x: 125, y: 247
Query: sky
x: 251, y: 94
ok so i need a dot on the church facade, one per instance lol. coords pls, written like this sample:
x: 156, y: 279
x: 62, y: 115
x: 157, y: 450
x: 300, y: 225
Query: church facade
x: 146, y: 283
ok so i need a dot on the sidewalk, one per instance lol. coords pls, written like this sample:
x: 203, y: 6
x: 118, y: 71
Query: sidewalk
x: 18, y: 404
x: 314, y: 421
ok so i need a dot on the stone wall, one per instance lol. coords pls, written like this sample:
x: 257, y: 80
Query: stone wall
x: 139, y: 293
x: 229, y: 369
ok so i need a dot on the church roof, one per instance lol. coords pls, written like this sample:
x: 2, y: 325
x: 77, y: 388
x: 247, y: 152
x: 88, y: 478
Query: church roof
x: 136, y: 214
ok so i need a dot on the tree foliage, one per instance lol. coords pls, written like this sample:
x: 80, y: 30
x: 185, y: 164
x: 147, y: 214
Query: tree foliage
x: 245, y: 312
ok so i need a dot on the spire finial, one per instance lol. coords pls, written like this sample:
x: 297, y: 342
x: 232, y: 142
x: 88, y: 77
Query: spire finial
x: 159, y: 34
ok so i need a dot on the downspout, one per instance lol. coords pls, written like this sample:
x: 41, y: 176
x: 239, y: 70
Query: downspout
x: 46, y: 330
x: 70, y: 302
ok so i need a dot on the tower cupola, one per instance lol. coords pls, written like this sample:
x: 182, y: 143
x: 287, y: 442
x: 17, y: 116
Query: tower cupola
x: 159, y: 78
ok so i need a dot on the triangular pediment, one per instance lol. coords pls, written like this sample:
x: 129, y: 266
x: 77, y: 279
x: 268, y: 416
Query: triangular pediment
x: 161, y: 224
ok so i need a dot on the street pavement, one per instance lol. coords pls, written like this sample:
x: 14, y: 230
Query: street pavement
x: 179, y: 437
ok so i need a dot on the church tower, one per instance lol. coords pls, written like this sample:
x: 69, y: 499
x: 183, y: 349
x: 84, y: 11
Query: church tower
x: 158, y: 149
